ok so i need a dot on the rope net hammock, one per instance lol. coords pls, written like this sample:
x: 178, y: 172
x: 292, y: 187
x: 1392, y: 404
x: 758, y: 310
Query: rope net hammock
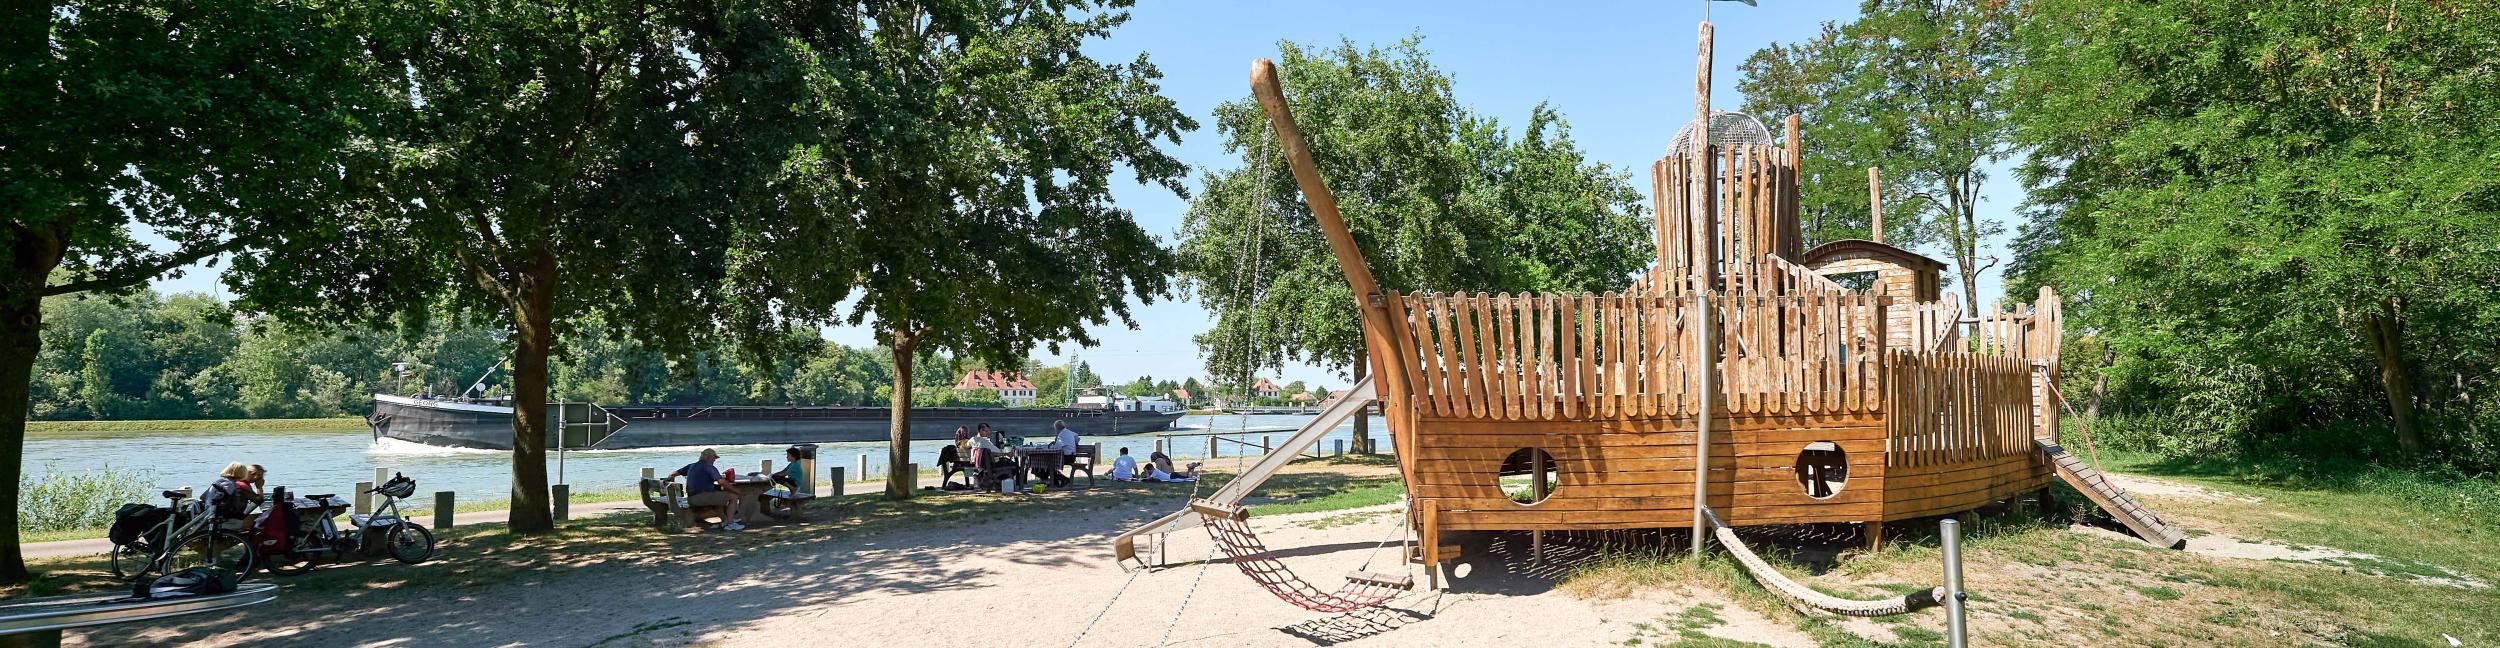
x: 1230, y: 529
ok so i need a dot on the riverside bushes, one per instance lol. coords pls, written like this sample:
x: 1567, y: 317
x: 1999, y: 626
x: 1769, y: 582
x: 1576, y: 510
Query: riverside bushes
x: 59, y: 501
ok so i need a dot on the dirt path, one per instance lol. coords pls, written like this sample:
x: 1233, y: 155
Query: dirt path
x: 1029, y: 580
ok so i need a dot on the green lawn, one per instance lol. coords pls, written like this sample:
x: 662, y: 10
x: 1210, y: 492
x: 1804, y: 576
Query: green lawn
x: 2035, y: 582
x: 71, y: 428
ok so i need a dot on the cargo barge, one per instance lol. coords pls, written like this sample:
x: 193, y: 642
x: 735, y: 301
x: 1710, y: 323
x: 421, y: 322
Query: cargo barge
x: 487, y: 423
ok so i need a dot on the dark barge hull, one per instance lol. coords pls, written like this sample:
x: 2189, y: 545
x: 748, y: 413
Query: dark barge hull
x: 489, y: 426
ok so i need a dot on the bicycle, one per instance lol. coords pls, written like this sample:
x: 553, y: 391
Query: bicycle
x: 193, y: 525
x: 407, y: 541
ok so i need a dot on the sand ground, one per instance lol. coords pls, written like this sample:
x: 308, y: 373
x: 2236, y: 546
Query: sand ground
x: 1024, y: 580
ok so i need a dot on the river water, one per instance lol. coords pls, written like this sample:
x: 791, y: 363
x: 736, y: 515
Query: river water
x: 333, y: 461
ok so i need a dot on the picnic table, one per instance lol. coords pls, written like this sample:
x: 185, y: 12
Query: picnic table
x: 749, y: 488
x: 1028, y: 457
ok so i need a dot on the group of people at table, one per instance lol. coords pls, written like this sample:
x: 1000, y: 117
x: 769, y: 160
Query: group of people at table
x: 708, y: 485
x: 993, y: 462
x: 994, y: 465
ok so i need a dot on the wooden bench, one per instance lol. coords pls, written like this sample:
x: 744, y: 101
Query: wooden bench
x: 956, y: 461
x: 1084, y: 459
x: 667, y: 503
x: 784, y: 503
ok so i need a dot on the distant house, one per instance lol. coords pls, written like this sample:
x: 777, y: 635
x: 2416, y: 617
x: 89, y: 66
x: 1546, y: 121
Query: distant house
x: 1012, y: 388
x: 1266, y: 389
x: 1304, y: 397
x: 1181, y: 396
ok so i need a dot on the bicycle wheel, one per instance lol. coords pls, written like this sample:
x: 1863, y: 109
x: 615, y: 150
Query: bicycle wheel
x: 128, y: 561
x: 289, y: 563
x: 220, y: 549
x: 410, y: 543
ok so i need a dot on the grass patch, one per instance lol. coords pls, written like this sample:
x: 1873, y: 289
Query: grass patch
x: 1313, y: 491
x: 1616, y: 575
x: 72, y: 428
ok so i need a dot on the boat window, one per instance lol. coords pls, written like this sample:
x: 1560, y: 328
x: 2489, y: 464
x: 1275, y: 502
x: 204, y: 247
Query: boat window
x: 1529, y: 475
x: 1822, y: 469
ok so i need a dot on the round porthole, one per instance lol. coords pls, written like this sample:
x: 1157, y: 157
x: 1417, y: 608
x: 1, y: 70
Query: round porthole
x: 1822, y: 469
x: 1529, y: 476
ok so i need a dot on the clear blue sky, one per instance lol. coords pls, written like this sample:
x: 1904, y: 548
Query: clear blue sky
x: 1620, y: 72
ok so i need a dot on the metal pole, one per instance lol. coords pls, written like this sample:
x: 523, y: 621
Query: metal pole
x: 559, y: 442
x: 1956, y: 635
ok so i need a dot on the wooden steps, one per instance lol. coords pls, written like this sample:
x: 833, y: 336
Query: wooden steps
x: 2113, y: 499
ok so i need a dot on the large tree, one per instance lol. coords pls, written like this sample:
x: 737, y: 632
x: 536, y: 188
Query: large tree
x: 211, y: 123
x: 2274, y: 215
x: 1439, y: 198
x: 965, y: 154
x: 548, y: 163
x: 1915, y: 87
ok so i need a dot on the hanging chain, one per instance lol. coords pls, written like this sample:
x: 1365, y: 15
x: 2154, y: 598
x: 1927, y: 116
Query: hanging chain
x: 1185, y: 596
x: 1106, y: 607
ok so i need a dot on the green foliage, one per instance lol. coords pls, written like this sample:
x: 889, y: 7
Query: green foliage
x: 2242, y: 197
x: 1913, y: 87
x: 1437, y: 196
x: 1050, y: 386
x: 202, y: 362
x: 221, y: 126
x: 59, y: 501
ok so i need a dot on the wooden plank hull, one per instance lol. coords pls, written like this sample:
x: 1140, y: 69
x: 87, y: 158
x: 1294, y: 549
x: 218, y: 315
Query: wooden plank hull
x: 1638, y: 473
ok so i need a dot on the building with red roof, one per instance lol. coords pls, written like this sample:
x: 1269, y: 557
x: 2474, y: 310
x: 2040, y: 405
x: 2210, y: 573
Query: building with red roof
x: 1013, y: 388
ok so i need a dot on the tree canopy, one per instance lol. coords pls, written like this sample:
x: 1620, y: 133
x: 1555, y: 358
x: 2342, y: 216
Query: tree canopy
x: 963, y: 154
x: 216, y: 125
x: 1439, y: 198
x: 547, y: 165
x: 2274, y: 216
x: 1915, y: 87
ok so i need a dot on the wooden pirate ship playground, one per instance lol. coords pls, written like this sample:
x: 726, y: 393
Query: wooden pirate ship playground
x: 1735, y: 384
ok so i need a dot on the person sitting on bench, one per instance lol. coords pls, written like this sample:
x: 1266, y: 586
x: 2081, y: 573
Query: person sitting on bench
x: 993, y: 464
x: 1125, y: 467
x: 1064, y: 445
x: 704, y: 489
x: 789, y: 476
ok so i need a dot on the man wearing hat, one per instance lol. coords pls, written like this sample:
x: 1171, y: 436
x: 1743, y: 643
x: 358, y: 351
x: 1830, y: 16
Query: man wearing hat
x: 704, y: 490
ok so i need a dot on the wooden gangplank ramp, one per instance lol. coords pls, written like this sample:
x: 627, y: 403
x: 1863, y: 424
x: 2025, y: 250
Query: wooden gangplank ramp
x: 2111, y: 498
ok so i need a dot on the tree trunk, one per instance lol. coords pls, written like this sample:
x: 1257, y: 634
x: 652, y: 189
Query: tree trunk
x: 21, y: 337
x: 33, y: 256
x: 533, y: 341
x: 1362, y: 417
x: 2387, y: 339
x: 900, y: 479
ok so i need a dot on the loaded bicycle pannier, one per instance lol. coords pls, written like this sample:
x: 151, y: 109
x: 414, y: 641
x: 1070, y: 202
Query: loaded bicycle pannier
x: 134, y: 520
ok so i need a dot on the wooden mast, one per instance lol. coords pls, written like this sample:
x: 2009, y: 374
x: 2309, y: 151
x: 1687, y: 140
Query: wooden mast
x: 1704, y: 185
x: 1378, y: 344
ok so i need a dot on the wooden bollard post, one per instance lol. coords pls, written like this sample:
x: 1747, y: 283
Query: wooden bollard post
x: 364, y: 497
x: 913, y: 469
x: 1267, y: 443
x: 765, y: 468
x: 1341, y: 447
x: 381, y: 474
x: 442, y: 511
x: 863, y: 466
x: 563, y: 496
x: 1211, y: 449
x: 836, y: 481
